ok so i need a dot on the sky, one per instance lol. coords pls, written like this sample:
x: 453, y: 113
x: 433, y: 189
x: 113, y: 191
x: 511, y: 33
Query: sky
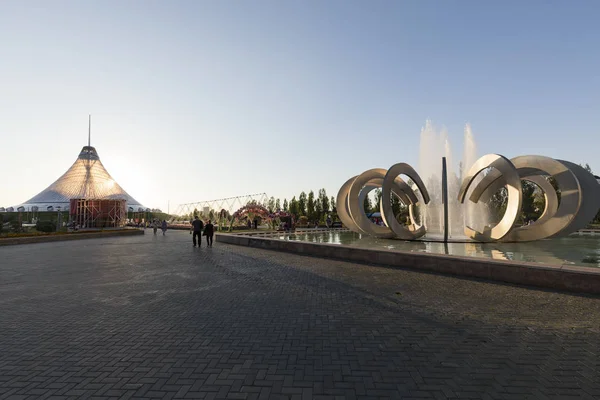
x: 200, y: 100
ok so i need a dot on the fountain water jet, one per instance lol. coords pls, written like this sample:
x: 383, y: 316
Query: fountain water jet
x: 434, y: 146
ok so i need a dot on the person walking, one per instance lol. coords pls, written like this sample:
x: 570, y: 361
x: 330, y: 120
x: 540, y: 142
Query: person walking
x: 209, y: 231
x: 197, y: 226
x: 154, y: 226
x: 163, y: 226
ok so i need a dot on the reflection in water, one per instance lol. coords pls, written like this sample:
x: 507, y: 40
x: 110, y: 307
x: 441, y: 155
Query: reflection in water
x: 573, y: 250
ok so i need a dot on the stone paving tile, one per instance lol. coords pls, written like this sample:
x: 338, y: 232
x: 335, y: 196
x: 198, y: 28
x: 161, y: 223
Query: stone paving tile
x: 153, y: 317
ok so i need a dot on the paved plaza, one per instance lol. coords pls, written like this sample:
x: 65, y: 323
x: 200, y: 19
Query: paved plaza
x: 152, y: 317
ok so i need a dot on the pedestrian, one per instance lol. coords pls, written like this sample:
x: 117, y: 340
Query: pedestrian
x: 255, y: 223
x: 197, y: 226
x: 209, y: 231
x: 163, y: 227
x: 328, y: 222
x: 154, y: 226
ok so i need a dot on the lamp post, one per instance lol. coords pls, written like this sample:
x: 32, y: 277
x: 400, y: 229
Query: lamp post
x: 445, y: 197
x: 58, y: 218
x: 20, y: 210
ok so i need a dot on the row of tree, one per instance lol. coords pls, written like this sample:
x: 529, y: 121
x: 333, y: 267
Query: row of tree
x: 318, y: 208
x: 313, y: 208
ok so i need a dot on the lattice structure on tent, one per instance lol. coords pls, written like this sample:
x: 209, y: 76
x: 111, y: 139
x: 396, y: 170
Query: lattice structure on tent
x: 230, y: 204
x: 91, y: 213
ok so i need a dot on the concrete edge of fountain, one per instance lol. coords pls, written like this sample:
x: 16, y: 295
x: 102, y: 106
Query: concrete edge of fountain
x: 556, y: 277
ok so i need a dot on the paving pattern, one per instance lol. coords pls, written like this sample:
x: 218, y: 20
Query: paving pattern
x: 153, y: 317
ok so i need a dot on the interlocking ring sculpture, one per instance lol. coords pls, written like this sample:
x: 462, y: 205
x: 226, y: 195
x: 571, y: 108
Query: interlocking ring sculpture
x: 352, y: 213
x: 579, y: 198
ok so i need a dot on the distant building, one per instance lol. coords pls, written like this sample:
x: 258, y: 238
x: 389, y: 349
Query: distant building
x: 86, y: 179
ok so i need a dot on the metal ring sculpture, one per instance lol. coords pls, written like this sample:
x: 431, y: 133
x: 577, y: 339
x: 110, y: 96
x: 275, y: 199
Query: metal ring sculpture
x: 513, y: 186
x: 387, y: 214
x: 352, y: 213
x: 578, y: 204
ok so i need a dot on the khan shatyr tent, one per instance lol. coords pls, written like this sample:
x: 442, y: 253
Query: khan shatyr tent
x: 86, y: 179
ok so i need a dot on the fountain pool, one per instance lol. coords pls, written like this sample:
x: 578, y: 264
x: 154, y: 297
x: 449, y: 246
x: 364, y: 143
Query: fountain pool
x: 579, y: 250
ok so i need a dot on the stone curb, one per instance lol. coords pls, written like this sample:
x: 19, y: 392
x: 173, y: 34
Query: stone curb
x: 568, y: 278
x: 73, y: 236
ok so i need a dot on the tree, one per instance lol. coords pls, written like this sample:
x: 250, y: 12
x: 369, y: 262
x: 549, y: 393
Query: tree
x: 399, y: 210
x: 310, y: 206
x: 324, y: 200
x: 528, y: 207
x: 271, y: 204
x: 285, y: 205
x: 377, y: 198
x: 293, y: 206
x: 497, y: 205
x: 278, y: 205
x: 367, y: 204
x: 302, y: 203
x: 318, y: 211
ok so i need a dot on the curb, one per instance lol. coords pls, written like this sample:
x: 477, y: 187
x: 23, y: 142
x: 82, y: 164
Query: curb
x: 65, y: 237
x: 565, y: 278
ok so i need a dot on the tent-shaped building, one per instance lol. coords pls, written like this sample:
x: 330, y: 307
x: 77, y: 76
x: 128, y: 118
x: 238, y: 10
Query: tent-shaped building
x: 85, y: 187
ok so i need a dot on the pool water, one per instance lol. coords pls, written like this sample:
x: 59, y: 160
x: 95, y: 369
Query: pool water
x: 582, y: 250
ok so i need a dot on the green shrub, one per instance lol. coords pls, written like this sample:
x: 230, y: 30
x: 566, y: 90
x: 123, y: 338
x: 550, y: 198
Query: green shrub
x: 45, y: 226
x: 15, y: 226
x: 302, y: 221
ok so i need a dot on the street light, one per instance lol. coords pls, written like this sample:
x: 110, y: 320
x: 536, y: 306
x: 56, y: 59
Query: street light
x: 58, y: 218
x: 20, y: 210
x: 34, y: 216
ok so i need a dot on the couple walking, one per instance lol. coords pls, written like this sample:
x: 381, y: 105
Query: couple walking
x: 209, y: 231
x: 157, y: 224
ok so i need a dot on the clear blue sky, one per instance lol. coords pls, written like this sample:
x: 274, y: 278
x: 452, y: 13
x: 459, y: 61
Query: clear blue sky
x: 194, y: 100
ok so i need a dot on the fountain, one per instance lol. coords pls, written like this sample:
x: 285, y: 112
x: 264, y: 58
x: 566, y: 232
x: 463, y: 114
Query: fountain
x: 434, y: 147
x: 446, y: 221
x: 451, y: 202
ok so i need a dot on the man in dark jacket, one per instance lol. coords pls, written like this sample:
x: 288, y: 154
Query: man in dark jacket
x: 197, y: 226
x: 209, y: 230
